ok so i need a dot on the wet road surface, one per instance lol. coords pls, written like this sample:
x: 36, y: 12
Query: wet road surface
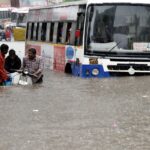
x: 69, y: 113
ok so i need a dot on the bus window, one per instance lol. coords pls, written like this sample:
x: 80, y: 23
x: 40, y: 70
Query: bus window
x: 51, y: 31
x: 55, y: 32
x: 37, y: 29
x: 27, y: 31
x: 48, y: 31
x: 43, y: 31
x: 72, y: 33
x: 59, y: 32
x: 2, y: 15
x: 64, y: 33
x: 32, y: 31
x: 21, y: 20
x: 80, y: 26
x: 69, y: 30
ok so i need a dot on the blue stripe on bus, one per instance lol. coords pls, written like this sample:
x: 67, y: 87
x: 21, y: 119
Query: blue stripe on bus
x: 86, y: 71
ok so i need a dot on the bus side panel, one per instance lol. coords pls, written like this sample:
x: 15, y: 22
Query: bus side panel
x: 59, y: 58
x: 74, y: 56
x: 48, y: 56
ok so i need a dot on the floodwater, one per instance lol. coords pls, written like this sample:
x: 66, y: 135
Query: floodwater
x: 71, y: 113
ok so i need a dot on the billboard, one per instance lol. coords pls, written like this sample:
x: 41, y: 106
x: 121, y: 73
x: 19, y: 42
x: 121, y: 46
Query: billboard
x: 24, y: 3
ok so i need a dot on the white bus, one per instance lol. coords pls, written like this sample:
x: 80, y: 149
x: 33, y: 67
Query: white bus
x: 19, y: 22
x: 5, y: 15
x: 19, y: 16
x: 93, y: 39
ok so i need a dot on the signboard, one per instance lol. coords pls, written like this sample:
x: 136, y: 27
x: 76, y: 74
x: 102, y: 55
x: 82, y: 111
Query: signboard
x: 141, y: 46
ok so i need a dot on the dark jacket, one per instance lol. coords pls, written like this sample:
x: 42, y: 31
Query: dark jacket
x: 12, y: 64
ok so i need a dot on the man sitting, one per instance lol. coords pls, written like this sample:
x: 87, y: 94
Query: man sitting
x: 12, y: 62
x: 33, y: 64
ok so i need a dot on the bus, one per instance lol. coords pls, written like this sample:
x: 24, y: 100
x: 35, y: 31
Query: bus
x: 93, y: 38
x: 5, y: 16
x: 19, y: 22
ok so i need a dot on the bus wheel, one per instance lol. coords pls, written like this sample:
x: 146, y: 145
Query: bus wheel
x: 68, y: 69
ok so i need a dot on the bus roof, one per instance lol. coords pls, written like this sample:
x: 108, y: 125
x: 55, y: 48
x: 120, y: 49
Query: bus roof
x: 20, y: 10
x: 5, y: 9
x: 59, y: 12
x: 119, y: 1
x: 63, y: 4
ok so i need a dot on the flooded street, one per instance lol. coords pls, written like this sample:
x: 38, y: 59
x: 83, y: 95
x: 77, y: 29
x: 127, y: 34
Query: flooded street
x: 69, y: 113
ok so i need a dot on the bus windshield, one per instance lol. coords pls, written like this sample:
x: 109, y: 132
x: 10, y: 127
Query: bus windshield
x: 22, y: 19
x: 117, y: 28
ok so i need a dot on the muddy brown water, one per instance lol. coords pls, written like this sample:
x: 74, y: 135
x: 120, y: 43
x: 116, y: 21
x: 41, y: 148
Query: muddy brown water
x: 70, y: 113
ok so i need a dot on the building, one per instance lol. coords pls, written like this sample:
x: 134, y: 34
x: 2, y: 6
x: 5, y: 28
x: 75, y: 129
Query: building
x: 4, y: 3
x: 15, y: 3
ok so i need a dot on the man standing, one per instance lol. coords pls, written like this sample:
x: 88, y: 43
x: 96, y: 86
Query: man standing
x: 8, y: 34
x: 33, y: 64
x: 12, y: 62
x: 3, y: 73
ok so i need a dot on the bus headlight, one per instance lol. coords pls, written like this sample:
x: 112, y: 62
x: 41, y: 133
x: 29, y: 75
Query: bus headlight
x: 95, y: 72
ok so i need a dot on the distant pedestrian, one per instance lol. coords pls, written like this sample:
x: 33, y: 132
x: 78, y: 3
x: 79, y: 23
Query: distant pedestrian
x: 8, y: 34
x: 12, y: 62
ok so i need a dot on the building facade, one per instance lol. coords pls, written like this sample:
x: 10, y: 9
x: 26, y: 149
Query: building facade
x: 5, y: 3
x: 15, y: 3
